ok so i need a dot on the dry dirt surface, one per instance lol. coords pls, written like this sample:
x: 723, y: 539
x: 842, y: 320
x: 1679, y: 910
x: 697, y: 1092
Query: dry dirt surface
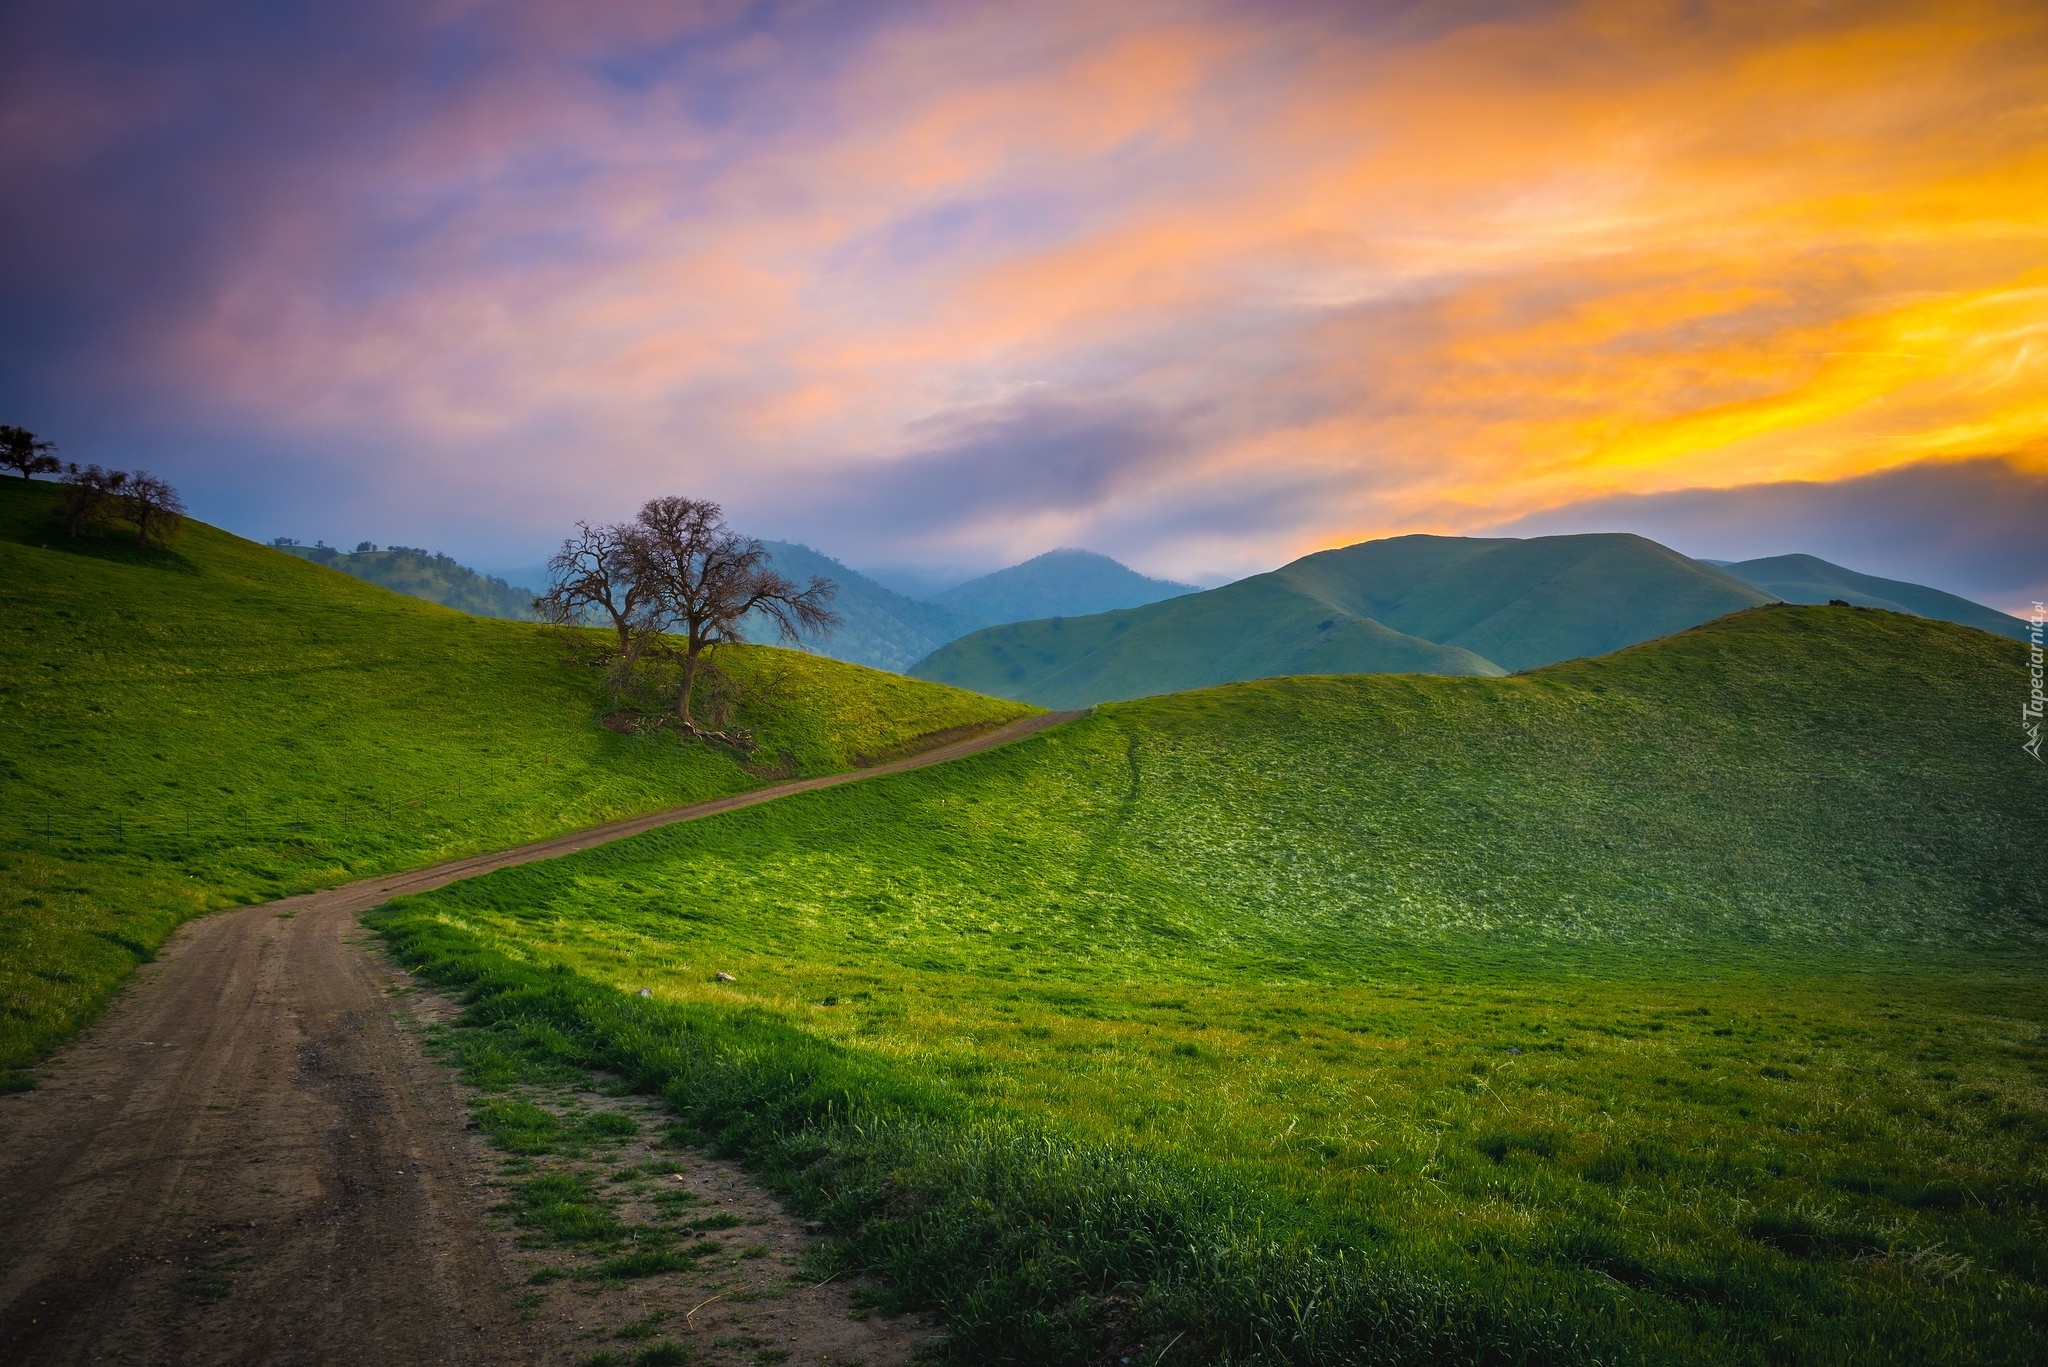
x: 249, y: 1159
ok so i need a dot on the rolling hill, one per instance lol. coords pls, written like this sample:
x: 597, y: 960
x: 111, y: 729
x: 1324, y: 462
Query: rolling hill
x: 1411, y: 604
x: 223, y: 722
x: 1650, y: 1008
x: 1809, y: 579
x: 427, y: 575
x: 1064, y: 583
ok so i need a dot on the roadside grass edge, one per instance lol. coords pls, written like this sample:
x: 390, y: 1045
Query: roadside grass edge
x: 1034, y: 1245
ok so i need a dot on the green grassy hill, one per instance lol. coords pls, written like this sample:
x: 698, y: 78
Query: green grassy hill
x: 423, y: 574
x: 1064, y: 583
x: 1809, y: 579
x: 1408, y: 605
x: 223, y: 722
x: 1684, y: 1005
x: 1251, y: 629
x: 1524, y: 603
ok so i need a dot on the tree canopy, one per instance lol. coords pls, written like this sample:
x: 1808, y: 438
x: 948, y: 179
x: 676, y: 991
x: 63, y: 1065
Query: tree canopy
x: 675, y: 584
x: 23, y: 450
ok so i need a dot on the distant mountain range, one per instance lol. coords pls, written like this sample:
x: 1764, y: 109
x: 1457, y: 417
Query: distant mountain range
x: 878, y: 626
x: 1070, y: 628
x: 423, y: 574
x: 1063, y: 583
x: 1410, y: 604
x: 892, y: 630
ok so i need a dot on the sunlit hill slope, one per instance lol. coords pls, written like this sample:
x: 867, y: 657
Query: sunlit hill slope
x: 1681, y: 1005
x: 224, y: 722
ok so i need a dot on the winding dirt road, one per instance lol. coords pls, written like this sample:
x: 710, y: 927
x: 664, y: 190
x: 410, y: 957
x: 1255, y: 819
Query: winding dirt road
x: 248, y: 1160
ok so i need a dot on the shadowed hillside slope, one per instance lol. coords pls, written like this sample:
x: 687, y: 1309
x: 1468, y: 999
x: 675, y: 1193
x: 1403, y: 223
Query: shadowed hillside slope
x: 878, y: 627
x: 1809, y: 579
x: 1411, y: 604
x: 423, y: 574
x: 222, y: 722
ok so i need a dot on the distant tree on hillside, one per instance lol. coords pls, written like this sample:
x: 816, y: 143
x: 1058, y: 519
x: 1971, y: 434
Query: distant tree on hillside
x: 23, y: 450
x: 595, y: 570
x: 701, y: 579
x: 155, y: 509
x: 92, y: 497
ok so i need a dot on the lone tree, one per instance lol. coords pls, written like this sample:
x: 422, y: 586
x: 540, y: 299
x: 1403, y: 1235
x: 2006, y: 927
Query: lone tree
x: 595, y: 570
x: 155, y: 509
x: 23, y: 450
x: 702, y: 579
x: 92, y: 497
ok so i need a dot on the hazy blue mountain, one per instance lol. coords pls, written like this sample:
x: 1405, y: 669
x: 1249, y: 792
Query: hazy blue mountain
x: 1057, y: 584
x: 1809, y: 579
x: 918, y: 581
x: 424, y: 574
x: 880, y: 627
x: 1412, y: 604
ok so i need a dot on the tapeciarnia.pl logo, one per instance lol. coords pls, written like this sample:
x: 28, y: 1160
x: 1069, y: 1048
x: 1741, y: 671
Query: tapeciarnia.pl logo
x: 2030, y: 712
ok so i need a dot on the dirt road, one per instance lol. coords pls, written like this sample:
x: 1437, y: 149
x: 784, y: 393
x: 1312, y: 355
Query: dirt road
x: 248, y: 1160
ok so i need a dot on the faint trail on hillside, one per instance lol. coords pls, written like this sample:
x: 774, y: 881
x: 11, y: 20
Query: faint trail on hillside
x: 247, y: 1159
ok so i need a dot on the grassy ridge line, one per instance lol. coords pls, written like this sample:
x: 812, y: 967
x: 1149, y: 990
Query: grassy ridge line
x: 223, y: 723
x: 1664, y: 991
x: 1040, y: 1247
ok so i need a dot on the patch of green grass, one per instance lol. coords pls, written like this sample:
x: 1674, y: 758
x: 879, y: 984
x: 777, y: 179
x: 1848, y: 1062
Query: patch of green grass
x: 1666, y: 1007
x: 644, y: 1328
x: 663, y: 1355
x: 724, y: 1219
x: 649, y: 1262
x: 223, y: 723
x: 561, y: 1208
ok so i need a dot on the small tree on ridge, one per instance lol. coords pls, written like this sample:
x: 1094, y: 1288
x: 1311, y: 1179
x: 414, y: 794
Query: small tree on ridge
x: 92, y: 497
x: 23, y: 450
x: 702, y: 579
x: 155, y: 509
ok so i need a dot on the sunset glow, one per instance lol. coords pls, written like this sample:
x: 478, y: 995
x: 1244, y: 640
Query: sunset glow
x: 1204, y: 286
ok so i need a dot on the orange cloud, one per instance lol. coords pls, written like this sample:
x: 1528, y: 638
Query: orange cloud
x: 1441, y: 273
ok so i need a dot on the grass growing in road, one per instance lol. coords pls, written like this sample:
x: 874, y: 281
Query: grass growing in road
x: 220, y: 723
x: 1680, y: 1005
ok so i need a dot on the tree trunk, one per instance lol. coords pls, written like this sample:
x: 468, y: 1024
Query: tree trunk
x: 689, y: 687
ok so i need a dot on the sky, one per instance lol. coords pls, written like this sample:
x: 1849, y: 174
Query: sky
x: 1204, y: 286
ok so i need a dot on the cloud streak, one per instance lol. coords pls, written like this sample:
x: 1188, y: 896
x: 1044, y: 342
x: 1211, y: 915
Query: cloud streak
x: 1207, y: 285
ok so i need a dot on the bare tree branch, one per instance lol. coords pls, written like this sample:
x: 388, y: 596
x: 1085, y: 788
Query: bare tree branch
x: 703, y: 579
x: 92, y: 497
x: 594, y: 569
x: 155, y: 509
